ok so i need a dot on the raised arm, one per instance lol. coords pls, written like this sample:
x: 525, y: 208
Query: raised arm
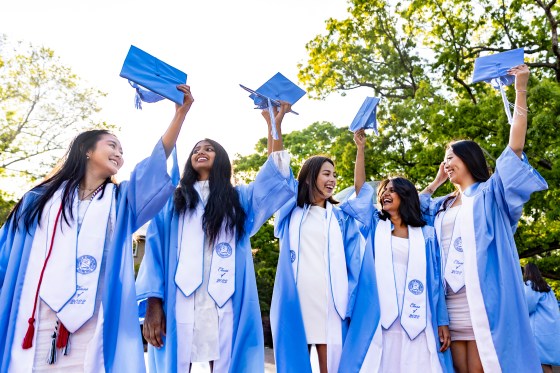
x: 441, y: 177
x: 359, y: 166
x: 272, y: 144
x: 518, y: 129
x: 169, y: 138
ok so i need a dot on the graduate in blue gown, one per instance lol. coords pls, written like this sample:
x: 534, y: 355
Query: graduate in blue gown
x: 197, y: 273
x: 66, y: 258
x: 318, y: 267
x: 481, y: 268
x: 412, y: 334
x: 544, y: 316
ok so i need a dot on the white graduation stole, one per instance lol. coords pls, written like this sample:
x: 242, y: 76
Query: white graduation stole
x: 71, y: 277
x: 413, y: 312
x: 336, y: 255
x: 454, y: 265
x: 190, y: 266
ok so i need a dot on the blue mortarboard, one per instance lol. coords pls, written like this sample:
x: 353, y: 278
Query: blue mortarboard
x: 494, y: 70
x: 366, y: 116
x: 160, y: 79
x: 276, y: 89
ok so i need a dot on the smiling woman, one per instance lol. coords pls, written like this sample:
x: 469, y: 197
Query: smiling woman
x: 317, y: 269
x: 413, y: 333
x: 197, y: 275
x: 66, y: 247
x: 475, y: 227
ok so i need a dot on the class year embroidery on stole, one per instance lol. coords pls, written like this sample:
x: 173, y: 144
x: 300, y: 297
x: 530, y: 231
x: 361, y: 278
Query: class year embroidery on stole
x: 190, y: 267
x: 189, y: 277
x: 70, y: 275
x: 413, y: 312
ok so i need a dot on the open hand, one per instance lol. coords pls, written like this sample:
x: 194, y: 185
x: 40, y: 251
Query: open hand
x: 444, y: 337
x: 154, y: 322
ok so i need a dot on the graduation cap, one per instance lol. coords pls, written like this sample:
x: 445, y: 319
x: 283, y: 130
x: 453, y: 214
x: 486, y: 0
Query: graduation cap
x: 494, y: 70
x: 366, y: 116
x: 276, y: 89
x: 152, y: 78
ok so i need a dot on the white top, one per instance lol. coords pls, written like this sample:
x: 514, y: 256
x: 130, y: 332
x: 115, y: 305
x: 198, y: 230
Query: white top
x: 400, y: 264
x: 312, y: 276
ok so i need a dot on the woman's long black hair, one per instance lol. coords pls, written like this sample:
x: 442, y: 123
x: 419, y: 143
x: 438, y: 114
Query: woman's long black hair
x: 473, y: 157
x: 532, y: 273
x: 70, y: 169
x: 409, y: 209
x: 307, y: 180
x: 223, y: 206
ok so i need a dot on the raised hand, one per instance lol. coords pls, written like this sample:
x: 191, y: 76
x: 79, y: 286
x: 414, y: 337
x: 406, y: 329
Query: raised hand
x: 187, y: 100
x: 521, y: 73
x: 360, y: 138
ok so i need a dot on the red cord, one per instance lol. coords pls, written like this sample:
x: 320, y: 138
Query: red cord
x: 28, y: 339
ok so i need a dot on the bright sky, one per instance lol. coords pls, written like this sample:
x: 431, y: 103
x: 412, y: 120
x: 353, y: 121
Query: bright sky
x: 219, y: 44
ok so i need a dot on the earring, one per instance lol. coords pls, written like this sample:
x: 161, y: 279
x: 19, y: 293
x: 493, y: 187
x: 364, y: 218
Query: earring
x: 87, y: 157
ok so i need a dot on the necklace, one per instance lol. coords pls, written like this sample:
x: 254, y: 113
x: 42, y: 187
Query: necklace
x: 91, y: 194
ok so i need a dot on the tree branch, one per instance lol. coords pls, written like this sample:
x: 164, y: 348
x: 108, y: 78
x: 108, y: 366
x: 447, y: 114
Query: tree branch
x: 533, y: 252
x: 552, y: 276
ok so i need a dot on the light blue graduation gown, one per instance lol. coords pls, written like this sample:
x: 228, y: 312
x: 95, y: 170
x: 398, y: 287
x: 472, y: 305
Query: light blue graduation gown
x: 156, y: 278
x: 544, y: 318
x: 290, y: 343
x: 138, y: 200
x: 364, y: 211
x: 498, y: 204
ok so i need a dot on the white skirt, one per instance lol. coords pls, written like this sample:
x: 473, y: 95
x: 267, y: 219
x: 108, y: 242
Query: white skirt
x: 400, y: 354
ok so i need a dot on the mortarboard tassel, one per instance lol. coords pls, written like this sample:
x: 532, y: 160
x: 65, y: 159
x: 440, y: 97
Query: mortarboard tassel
x: 506, y: 102
x: 137, y: 101
x: 28, y: 339
x: 144, y: 95
x: 272, y: 120
x: 51, y: 357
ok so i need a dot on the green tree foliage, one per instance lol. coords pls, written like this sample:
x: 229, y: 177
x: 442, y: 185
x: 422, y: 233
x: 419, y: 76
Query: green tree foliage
x: 6, y: 205
x: 419, y: 55
x: 43, y: 104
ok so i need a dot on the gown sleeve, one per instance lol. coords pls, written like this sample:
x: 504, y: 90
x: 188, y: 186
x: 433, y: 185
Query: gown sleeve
x: 361, y: 207
x: 513, y: 182
x: 150, y: 281
x: 149, y: 187
x: 272, y: 188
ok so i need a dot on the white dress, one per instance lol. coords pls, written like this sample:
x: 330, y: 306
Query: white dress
x: 312, y: 276
x: 460, y: 326
x: 399, y: 353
